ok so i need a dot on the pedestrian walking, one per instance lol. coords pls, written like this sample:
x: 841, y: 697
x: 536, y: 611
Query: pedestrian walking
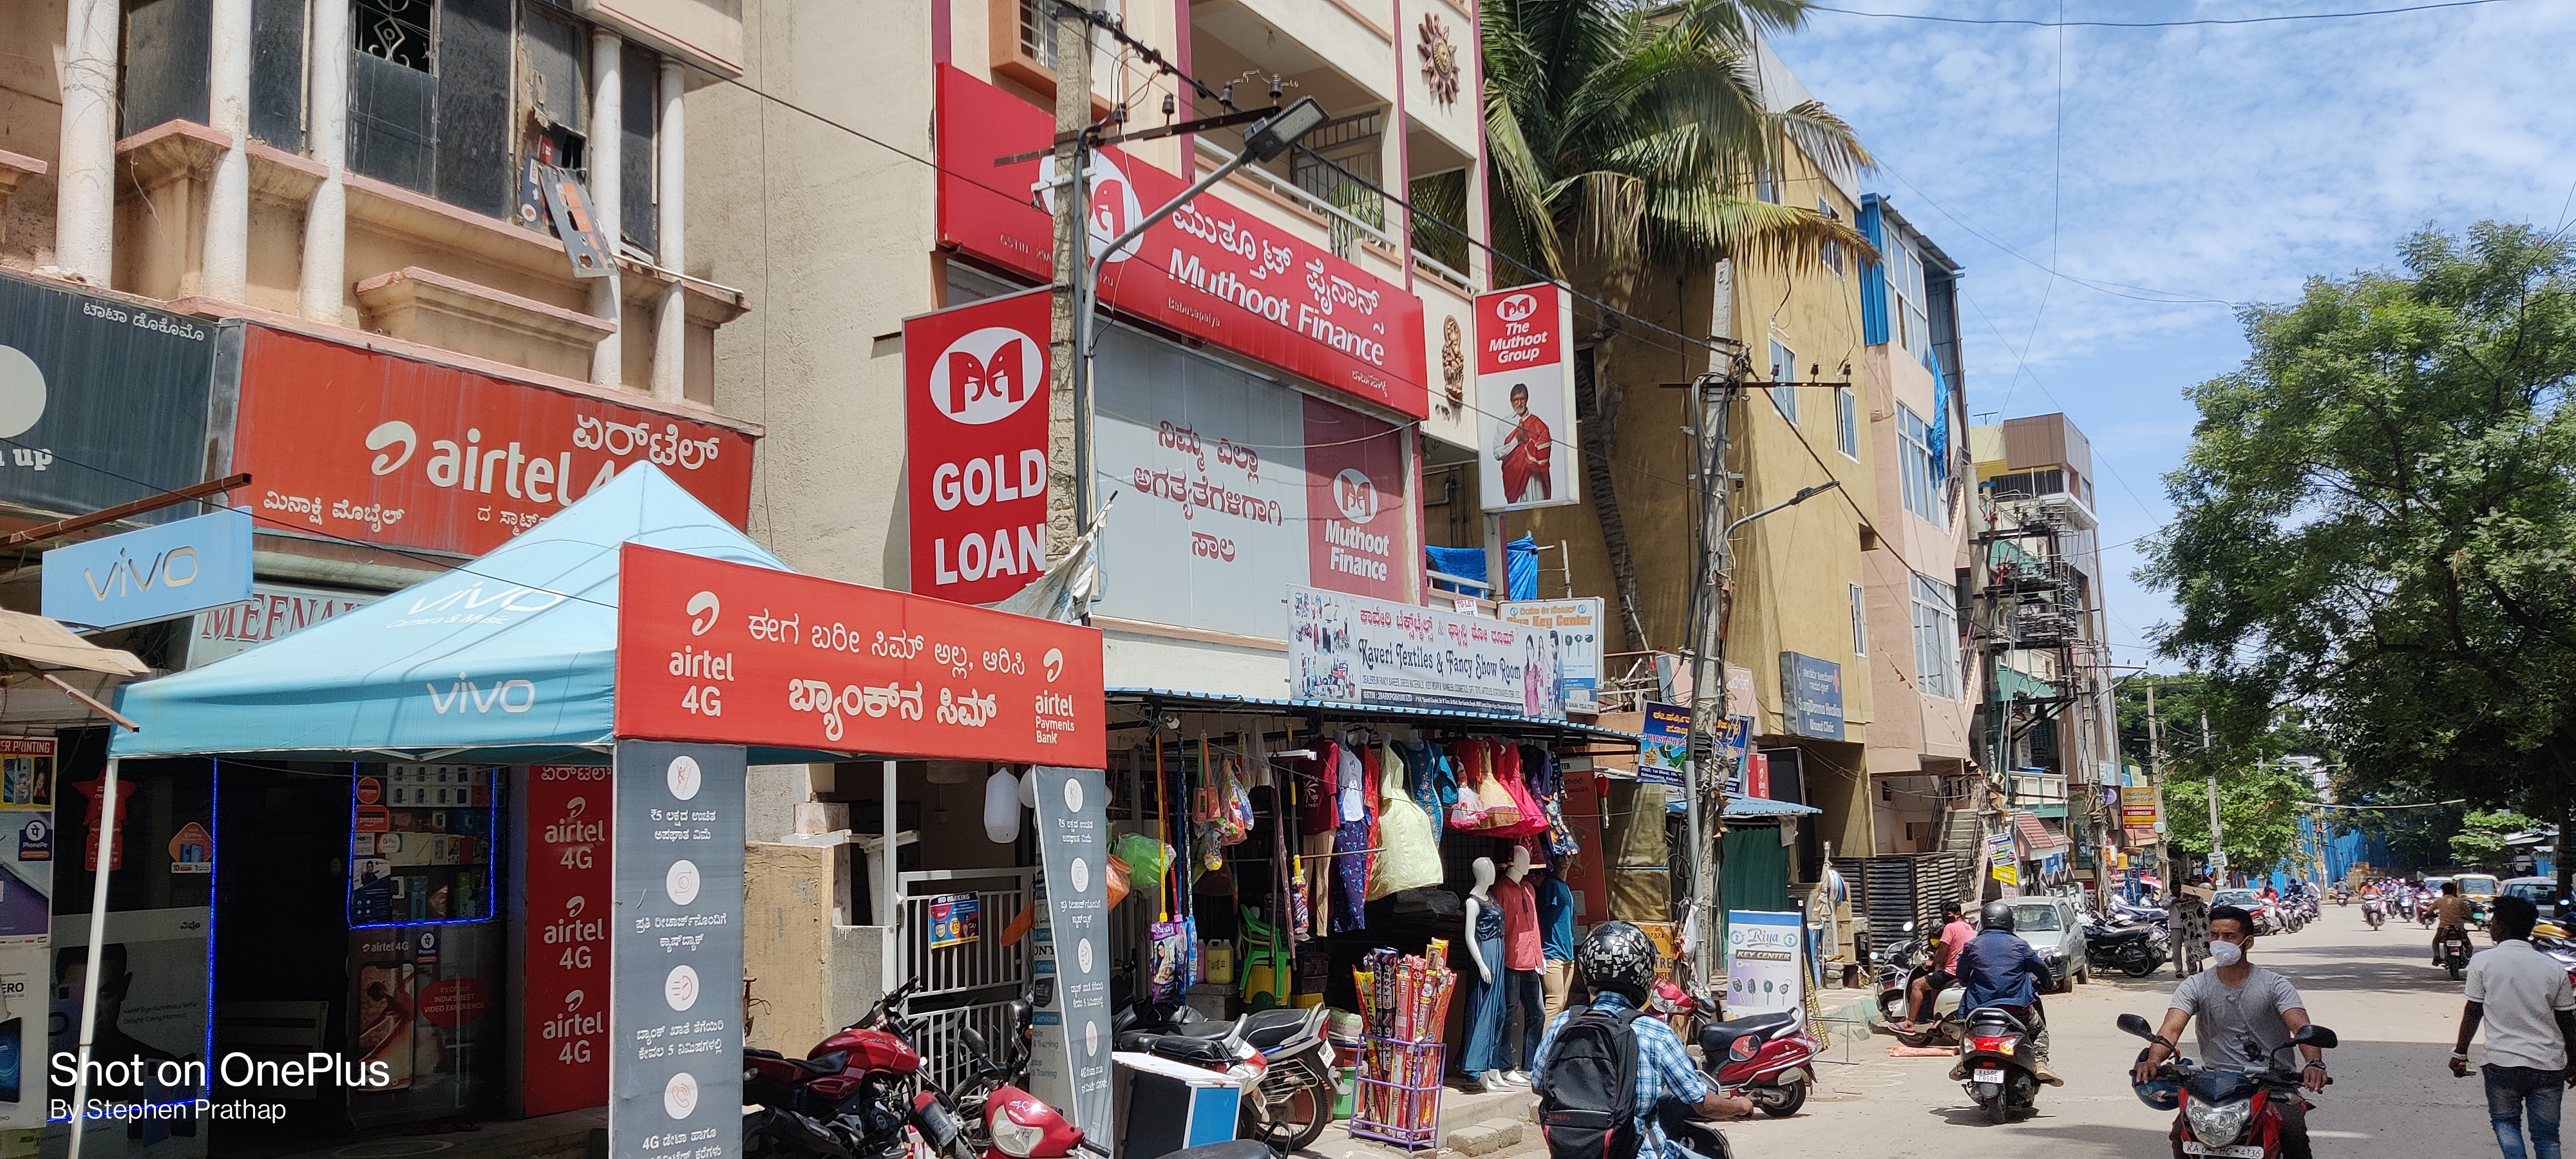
x: 2522, y: 998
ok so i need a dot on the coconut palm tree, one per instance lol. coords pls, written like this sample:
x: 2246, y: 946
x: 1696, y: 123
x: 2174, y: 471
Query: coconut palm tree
x: 1626, y: 140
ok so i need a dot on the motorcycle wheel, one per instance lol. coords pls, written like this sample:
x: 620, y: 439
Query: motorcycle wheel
x: 2454, y: 972
x: 2141, y: 967
x: 1891, y: 1006
x: 1295, y: 1121
x: 1792, y: 1097
x: 1999, y: 1110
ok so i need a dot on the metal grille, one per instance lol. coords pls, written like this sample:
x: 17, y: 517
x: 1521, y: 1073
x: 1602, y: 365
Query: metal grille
x: 982, y: 964
x: 1352, y: 143
x: 943, y: 1049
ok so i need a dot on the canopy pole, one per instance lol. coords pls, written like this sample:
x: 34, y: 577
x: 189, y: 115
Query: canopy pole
x: 97, y: 950
x: 890, y: 912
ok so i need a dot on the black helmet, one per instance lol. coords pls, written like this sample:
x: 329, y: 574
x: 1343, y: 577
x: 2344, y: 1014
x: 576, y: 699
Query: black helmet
x: 1618, y: 958
x: 1998, y: 915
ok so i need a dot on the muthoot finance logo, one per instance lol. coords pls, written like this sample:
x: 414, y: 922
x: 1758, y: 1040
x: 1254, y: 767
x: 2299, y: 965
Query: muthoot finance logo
x: 1516, y: 308
x: 987, y: 375
x: 1356, y: 494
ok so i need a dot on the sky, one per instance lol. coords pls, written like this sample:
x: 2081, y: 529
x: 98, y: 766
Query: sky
x: 2163, y: 165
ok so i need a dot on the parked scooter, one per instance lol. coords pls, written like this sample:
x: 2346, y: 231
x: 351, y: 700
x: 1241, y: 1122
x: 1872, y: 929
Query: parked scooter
x: 1765, y: 1057
x: 1279, y: 1057
x: 2224, y: 1112
x: 1998, y: 1065
x: 851, y: 1097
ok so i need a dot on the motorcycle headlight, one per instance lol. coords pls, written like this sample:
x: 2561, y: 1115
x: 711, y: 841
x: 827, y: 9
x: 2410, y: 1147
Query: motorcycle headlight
x: 2218, y: 1124
x: 1013, y: 1136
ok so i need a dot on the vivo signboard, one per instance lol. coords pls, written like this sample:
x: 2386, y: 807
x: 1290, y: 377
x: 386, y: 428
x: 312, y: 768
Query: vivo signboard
x: 152, y: 574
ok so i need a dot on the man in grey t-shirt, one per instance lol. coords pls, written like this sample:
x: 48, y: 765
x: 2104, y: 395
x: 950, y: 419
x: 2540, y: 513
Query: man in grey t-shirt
x: 2234, y: 1002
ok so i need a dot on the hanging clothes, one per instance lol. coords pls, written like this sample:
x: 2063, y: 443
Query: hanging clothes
x: 1351, y: 838
x: 1408, y: 846
x: 1549, y: 784
x: 1318, y: 824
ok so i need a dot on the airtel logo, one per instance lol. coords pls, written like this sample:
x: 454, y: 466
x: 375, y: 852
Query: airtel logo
x: 987, y: 375
x: 1113, y: 204
x: 703, y: 609
x: 1517, y: 307
x: 1356, y: 494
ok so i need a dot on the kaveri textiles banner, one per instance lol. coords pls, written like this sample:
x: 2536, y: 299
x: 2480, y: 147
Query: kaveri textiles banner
x: 1355, y: 650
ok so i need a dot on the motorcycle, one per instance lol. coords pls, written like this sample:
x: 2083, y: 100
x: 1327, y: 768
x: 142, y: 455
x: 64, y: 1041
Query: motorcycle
x: 1896, y: 969
x: 2374, y: 911
x: 2424, y: 909
x: 1764, y: 1058
x: 1279, y: 1058
x: 1998, y: 1065
x: 2455, y: 952
x: 2231, y: 1114
x: 852, y: 1097
x: 2137, y: 950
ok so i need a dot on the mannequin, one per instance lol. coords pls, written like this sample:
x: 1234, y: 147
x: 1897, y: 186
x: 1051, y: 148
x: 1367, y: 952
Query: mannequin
x: 1556, y: 934
x: 1484, y: 938
x: 1522, y: 960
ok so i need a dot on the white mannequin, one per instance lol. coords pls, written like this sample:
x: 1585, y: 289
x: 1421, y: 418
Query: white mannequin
x: 1479, y: 897
x: 1520, y: 866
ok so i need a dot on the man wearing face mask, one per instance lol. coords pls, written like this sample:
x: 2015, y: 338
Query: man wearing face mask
x: 2236, y: 1002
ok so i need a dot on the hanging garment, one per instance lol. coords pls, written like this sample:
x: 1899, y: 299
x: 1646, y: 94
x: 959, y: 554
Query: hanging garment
x: 1549, y: 784
x: 1533, y: 817
x: 1350, y: 863
x: 1469, y: 813
x: 1503, y: 815
x: 1315, y: 792
x: 1408, y: 849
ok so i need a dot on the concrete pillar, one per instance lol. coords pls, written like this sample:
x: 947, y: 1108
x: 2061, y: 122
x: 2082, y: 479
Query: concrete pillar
x: 671, y: 329
x: 325, y: 277
x: 85, y: 182
x: 607, y: 159
x: 227, y: 253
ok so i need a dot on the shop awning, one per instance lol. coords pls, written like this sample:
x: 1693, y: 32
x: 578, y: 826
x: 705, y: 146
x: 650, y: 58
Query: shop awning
x: 509, y: 657
x: 1335, y: 712
x: 2036, y: 841
x: 1765, y: 807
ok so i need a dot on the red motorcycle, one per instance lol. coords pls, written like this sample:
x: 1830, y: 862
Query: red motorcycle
x: 859, y: 1094
x: 1764, y: 1057
x: 2226, y: 1113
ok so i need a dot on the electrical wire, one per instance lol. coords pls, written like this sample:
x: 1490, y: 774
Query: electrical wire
x: 2062, y: 22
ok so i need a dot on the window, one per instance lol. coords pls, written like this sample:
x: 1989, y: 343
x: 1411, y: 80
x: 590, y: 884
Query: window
x: 1936, y: 637
x: 1914, y: 473
x: 1860, y: 620
x: 1784, y: 368
x: 1905, y: 285
x: 393, y: 30
x: 1766, y: 185
x: 1833, y: 250
x: 1847, y: 421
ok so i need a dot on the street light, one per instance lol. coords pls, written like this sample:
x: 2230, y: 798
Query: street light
x: 1713, y: 646
x: 1265, y: 141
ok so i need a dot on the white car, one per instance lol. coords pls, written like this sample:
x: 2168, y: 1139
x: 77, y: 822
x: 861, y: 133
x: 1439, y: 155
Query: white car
x: 2052, y: 928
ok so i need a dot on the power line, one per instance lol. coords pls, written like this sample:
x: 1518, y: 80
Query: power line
x: 2062, y: 22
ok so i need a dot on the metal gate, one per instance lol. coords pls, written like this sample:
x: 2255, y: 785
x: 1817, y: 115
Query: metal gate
x: 963, y: 985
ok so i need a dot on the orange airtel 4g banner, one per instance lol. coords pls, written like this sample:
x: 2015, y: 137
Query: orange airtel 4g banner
x: 727, y: 653
x: 360, y: 444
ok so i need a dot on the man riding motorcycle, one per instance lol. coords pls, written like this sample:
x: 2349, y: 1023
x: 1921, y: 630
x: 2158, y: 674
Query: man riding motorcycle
x: 1925, y: 994
x: 2235, y: 1004
x: 1617, y: 961
x: 1997, y: 968
x: 2450, y: 916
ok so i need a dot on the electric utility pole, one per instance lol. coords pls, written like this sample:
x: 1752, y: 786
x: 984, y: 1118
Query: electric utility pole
x: 1068, y: 486
x: 1701, y: 780
x: 2217, y: 851
x: 2156, y: 780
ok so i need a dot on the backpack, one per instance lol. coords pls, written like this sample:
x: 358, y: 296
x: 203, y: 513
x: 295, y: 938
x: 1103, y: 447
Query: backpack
x: 1589, y: 1109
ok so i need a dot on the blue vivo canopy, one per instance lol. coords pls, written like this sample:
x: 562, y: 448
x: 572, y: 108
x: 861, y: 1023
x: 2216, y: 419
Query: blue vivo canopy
x: 504, y: 658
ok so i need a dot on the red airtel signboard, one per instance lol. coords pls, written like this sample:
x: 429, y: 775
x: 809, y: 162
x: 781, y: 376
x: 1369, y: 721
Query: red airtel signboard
x: 563, y: 1039
x: 1210, y: 272
x: 975, y: 419
x: 727, y: 653
x: 359, y: 444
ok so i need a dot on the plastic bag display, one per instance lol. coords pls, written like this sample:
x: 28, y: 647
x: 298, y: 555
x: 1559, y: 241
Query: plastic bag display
x: 1146, y: 859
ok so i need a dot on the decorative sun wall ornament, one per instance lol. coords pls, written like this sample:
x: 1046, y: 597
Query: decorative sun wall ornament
x: 1439, y: 60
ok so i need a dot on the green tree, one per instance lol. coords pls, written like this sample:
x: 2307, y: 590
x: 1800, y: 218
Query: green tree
x: 2376, y: 522
x: 2258, y: 816
x: 2480, y: 841
x: 1625, y: 140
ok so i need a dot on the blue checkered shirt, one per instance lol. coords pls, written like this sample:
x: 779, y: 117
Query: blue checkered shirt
x: 1664, y: 1071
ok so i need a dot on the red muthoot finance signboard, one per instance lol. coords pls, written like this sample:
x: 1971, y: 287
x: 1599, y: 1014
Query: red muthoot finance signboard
x: 1210, y: 271
x: 358, y: 444
x: 975, y: 419
x: 727, y: 653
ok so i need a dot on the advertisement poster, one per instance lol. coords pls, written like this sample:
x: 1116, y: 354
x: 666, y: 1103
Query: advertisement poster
x: 955, y: 920
x: 1811, y: 694
x: 101, y: 400
x: 1730, y: 746
x: 1210, y: 272
x: 426, y: 1002
x: 1353, y: 650
x: 1664, y: 756
x: 1999, y: 855
x: 675, y: 1006
x: 1231, y: 486
x: 975, y: 438
x: 1577, y: 624
x: 563, y: 1028
x: 271, y: 611
x: 1073, y: 1036
x: 2138, y: 808
x: 362, y: 445
x: 1765, y: 961
x: 729, y: 653
x: 151, y: 1004
x: 1525, y: 398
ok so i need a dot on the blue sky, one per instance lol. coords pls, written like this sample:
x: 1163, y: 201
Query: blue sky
x: 2225, y: 163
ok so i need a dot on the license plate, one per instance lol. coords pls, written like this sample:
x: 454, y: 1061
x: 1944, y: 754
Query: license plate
x: 1991, y: 1074
x: 2239, y: 1151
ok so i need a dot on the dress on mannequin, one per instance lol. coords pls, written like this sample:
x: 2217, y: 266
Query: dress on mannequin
x: 1484, y: 945
x: 1521, y: 963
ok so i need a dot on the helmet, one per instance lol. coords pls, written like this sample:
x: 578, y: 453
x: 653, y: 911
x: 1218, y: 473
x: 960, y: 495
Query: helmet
x: 2163, y: 1094
x: 1617, y: 958
x: 1998, y: 915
